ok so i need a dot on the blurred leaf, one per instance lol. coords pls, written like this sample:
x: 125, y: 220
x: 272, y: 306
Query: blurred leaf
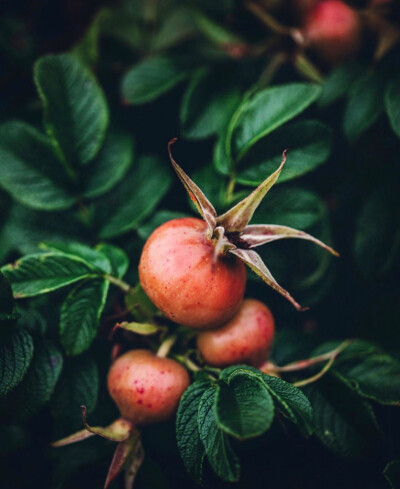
x: 118, y: 259
x: 364, y: 104
x: 159, y: 218
x: 392, y: 103
x: 110, y: 166
x: 243, y: 406
x: 80, y: 315
x: 12, y: 439
x: 176, y: 28
x: 43, y: 272
x: 76, y: 112
x: 16, y: 350
x: 208, y: 104
x: 87, y: 48
x: 338, y: 83
x: 220, y: 455
x: 309, y: 143
x: 392, y: 473
x: 213, y: 185
x: 190, y: 446
x: 135, y: 198
x: 268, y: 109
x: 30, y: 170
x: 344, y: 422
x: 221, y: 158
x: 151, y: 78
x: 39, y: 382
x: 6, y: 296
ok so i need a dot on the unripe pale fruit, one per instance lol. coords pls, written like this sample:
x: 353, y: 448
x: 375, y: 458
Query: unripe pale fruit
x: 246, y: 338
x: 333, y: 29
x: 177, y: 272
x: 146, y: 388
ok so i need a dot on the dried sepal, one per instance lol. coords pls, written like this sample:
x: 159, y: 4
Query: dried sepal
x: 133, y: 464
x: 74, y: 438
x: 122, y: 455
x: 258, y: 234
x: 201, y: 202
x: 222, y: 243
x: 119, y: 430
x: 237, y: 218
x: 254, y: 261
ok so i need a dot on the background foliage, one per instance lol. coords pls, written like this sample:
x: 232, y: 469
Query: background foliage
x: 90, y: 95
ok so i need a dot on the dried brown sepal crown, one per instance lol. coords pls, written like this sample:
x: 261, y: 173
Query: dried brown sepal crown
x: 232, y: 233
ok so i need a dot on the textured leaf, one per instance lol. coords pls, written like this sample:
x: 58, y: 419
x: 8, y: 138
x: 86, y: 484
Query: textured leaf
x: 76, y: 112
x: 344, y: 422
x: 392, y: 473
x: 268, y: 109
x: 309, y: 144
x: 392, y: 103
x: 43, y: 272
x: 190, y: 446
x: 118, y: 259
x: 150, y: 78
x: 110, y: 166
x: 30, y: 170
x: 80, y: 315
x: 135, y: 198
x: 216, y: 443
x: 39, y: 382
x: 16, y: 352
x: 92, y: 257
x: 207, y: 105
x: 243, y: 406
x: 159, y: 218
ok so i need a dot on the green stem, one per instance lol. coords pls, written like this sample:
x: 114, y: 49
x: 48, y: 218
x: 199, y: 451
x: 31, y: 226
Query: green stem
x: 166, y: 346
x: 267, y: 19
x: 124, y: 286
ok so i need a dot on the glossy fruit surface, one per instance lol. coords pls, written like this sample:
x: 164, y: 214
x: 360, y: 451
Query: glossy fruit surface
x: 176, y: 271
x: 246, y: 338
x: 333, y: 29
x: 146, y: 388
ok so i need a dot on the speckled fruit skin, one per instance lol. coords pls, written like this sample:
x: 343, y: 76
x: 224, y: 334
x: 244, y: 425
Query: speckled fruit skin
x: 146, y: 388
x: 177, y: 273
x: 333, y: 29
x: 246, y: 338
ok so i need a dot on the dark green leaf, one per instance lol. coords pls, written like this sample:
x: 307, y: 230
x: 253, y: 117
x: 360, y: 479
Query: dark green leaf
x: 135, y: 198
x: 268, y: 109
x: 344, y: 421
x: 110, y: 166
x: 392, y: 473
x: 87, y: 49
x: 338, y: 83
x: 118, y: 258
x: 243, y: 406
x: 16, y: 352
x: 190, y: 446
x: 43, y: 272
x: 177, y: 27
x: 216, y: 443
x: 309, y: 144
x: 80, y: 315
x: 6, y: 296
x: 29, y: 169
x: 392, y: 103
x: 150, y: 78
x: 76, y: 112
x: 159, y: 218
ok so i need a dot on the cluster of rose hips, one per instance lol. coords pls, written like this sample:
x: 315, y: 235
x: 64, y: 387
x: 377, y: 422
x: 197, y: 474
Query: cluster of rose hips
x: 193, y: 271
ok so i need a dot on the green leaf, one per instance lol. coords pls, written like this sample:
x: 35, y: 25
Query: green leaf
x: 39, y: 382
x: 29, y: 170
x: 207, y: 105
x: 92, y: 257
x: 140, y: 328
x: 80, y: 315
x: 110, y: 166
x: 159, y: 218
x: 220, y: 455
x: 376, y: 376
x: 243, y: 406
x: 392, y: 473
x: 87, y: 49
x: 118, y: 258
x: 135, y: 198
x: 338, y: 82
x: 6, y: 296
x: 268, y: 109
x: 309, y: 143
x: 344, y: 421
x: 43, y: 272
x: 176, y: 28
x: 151, y: 78
x: 190, y: 446
x: 16, y: 352
x: 392, y: 103
x: 221, y: 159
x: 364, y: 104
x: 75, y: 109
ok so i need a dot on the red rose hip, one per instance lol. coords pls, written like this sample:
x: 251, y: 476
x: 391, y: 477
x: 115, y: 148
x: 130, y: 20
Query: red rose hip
x: 246, y: 338
x: 177, y: 272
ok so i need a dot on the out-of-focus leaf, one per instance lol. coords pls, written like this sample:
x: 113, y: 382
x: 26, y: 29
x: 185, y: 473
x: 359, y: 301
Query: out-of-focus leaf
x: 76, y: 112
x: 159, y: 218
x: 392, y: 473
x: 30, y: 170
x: 338, y: 82
x: 392, y: 103
x: 176, y: 28
x: 309, y: 144
x: 151, y: 78
x: 87, y: 48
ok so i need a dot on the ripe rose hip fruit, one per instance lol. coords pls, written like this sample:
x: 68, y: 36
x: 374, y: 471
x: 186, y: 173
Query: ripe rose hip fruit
x: 177, y: 272
x: 333, y: 29
x: 246, y: 338
x: 145, y: 387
